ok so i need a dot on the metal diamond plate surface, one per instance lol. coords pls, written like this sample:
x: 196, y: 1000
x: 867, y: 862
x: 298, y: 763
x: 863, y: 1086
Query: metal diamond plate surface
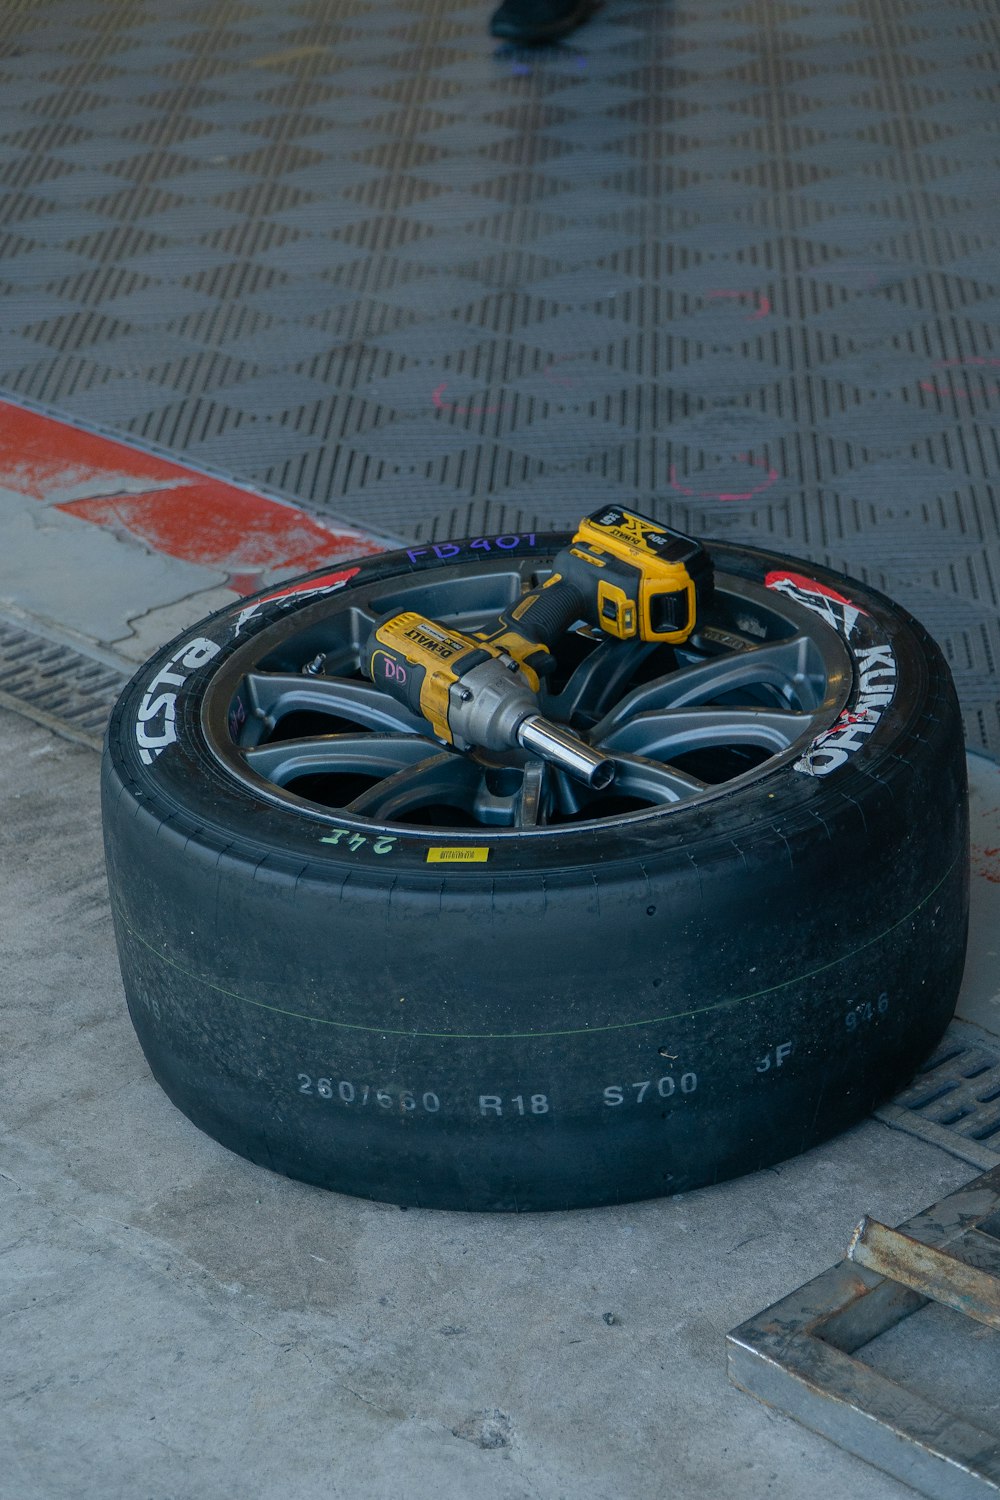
x: 737, y: 263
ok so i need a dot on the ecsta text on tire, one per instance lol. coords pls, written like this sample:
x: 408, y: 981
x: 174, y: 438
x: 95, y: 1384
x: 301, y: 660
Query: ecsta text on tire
x: 388, y: 967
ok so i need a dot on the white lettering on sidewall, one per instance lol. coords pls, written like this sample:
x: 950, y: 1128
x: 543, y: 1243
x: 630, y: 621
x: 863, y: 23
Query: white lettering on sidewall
x: 155, y: 726
x: 876, y: 665
x: 829, y: 751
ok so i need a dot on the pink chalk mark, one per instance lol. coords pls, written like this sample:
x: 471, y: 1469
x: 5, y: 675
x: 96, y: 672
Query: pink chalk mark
x: 761, y: 301
x: 968, y: 361
x: 771, y: 476
x: 561, y: 359
x: 437, y: 396
x: 933, y: 389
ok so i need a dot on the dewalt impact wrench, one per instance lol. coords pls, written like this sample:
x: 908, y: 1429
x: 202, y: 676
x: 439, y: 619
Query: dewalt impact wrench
x: 627, y: 575
x: 473, y: 694
x: 622, y: 573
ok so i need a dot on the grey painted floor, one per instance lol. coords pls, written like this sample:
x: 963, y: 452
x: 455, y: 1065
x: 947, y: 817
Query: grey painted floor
x: 179, y: 1325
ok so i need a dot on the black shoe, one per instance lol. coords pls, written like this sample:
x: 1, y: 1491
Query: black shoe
x: 533, y: 21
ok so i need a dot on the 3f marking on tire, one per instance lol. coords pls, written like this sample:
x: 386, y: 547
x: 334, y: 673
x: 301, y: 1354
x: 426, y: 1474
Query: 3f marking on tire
x: 776, y: 1057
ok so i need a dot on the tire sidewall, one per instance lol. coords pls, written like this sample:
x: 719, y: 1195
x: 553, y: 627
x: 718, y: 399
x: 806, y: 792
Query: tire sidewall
x: 606, y: 1013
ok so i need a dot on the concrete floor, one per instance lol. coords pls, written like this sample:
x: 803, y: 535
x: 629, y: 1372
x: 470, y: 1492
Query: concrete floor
x: 180, y: 1325
x: 176, y: 1324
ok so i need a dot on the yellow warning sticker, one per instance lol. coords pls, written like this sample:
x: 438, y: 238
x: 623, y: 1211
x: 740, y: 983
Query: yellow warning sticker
x: 459, y: 854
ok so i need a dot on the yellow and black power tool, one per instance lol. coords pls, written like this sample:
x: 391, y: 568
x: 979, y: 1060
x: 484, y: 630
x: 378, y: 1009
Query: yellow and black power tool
x: 473, y: 694
x: 623, y: 573
x: 629, y: 577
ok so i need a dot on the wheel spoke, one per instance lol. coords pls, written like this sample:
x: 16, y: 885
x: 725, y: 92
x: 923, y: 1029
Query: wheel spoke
x: 643, y: 780
x: 530, y: 802
x: 524, y: 807
x: 677, y: 731
x: 786, y: 665
x: 445, y: 778
x: 637, y: 777
x: 363, y: 621
x: 595, y: 681
x: 339, y: 755
x: 275, y: 694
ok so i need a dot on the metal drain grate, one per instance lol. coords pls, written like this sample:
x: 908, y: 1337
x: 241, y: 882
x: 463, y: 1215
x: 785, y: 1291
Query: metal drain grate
x: 954, y: 1101
x: 69, y: 693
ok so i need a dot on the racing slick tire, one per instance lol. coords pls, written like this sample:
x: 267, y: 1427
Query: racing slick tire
x: 620, y: 1000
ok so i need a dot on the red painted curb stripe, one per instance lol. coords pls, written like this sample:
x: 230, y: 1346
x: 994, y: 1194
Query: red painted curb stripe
x: 173, y: 509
